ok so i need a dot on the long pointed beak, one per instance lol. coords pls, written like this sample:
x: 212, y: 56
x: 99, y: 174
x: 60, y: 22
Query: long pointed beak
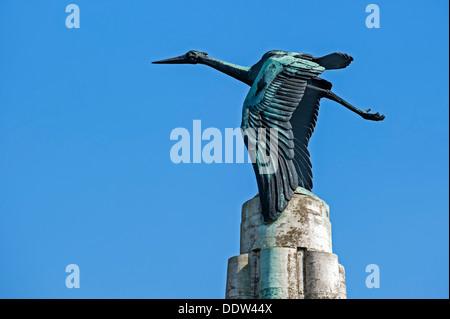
x: 178, y: 60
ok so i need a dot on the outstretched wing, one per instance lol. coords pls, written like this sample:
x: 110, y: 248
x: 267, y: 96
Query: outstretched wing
x: 337, y: 60
x: 270, y: 137
x: 303, y: 121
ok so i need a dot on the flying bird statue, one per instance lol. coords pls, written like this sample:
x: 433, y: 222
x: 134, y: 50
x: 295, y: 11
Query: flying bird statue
x: 284, y: 96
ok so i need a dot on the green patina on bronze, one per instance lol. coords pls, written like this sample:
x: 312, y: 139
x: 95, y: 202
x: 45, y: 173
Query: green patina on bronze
x: 283, y: 101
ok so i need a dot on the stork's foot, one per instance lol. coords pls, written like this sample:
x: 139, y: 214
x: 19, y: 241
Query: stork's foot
x: 372, y: 116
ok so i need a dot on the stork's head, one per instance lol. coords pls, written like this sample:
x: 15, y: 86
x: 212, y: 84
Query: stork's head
x: 192, y: 57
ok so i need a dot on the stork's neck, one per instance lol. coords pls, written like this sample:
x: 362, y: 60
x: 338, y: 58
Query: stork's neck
x: 238, y: 72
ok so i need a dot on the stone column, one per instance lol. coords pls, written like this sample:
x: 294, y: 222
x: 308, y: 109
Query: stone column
x: 290, y: 258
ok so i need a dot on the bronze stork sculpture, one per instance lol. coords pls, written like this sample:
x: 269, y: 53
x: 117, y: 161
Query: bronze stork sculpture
x: 284, y: 96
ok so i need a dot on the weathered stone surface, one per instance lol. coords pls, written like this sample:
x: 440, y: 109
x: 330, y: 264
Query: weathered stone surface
x: 305, y: 223
x: 239, y: 278
x: 301, y: 273
x: 343, y: 285
x: 288, y: 259
x: 323, y: 280
x: 278, y: 273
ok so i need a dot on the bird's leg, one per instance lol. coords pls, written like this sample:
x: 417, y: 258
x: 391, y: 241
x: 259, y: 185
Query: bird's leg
x: 364, y: 114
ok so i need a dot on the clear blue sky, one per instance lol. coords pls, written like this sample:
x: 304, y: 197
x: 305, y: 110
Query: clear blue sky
x: 85, y: 119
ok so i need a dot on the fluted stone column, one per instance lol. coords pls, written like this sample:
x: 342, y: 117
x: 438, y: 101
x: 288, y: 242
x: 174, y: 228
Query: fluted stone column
x: 290, y: 258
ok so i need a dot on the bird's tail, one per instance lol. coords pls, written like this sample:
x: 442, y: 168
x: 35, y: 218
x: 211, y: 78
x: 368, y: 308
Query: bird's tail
x: 336, y: 60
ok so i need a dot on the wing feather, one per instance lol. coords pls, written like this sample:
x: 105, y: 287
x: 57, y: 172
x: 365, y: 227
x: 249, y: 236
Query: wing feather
x: 281, y: 103
x: 278, y: 168
x: 304, y: 120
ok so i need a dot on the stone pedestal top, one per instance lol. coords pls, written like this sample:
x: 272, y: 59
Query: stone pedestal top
x: 305, y: 223
x: 288, y: 258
